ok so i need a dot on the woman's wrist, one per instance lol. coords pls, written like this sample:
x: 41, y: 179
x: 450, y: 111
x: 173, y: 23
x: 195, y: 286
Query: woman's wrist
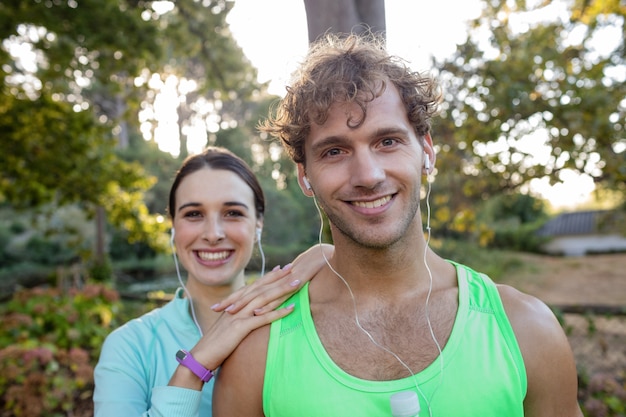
x: 183, y: 377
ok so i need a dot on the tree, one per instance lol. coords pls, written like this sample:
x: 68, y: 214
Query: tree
x: 66, y: 112
x: 530, y: 100
x: 344, y: 16
x: 58, y: 134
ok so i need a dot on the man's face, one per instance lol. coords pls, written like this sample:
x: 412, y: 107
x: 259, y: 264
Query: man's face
x: 367, y: 179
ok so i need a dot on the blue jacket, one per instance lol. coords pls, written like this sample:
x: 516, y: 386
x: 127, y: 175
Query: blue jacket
x: 138, y: 360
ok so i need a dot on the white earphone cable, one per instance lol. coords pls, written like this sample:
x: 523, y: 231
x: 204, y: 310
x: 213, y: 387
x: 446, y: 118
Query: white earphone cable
x: 180, y: 280
x: 262, y: 254
x: 426, y: 310
x: 430, y: 290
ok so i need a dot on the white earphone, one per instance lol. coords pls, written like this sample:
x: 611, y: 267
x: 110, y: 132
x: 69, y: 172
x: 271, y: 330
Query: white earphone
x: 426, y: 162
x: 306, y: 182
x: 172, y: 234
x: 258, y: 233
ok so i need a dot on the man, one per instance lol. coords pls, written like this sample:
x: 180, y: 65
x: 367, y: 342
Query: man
x: 387, y: 314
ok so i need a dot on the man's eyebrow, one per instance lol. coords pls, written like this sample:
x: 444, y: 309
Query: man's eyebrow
x: 334, y: 140
x: 326, y: 142
x: 385, y: 131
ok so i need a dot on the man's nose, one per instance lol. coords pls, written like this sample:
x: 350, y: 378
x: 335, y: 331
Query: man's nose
x: 367, y: 170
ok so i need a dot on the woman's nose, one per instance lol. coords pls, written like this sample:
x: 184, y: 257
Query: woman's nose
x: 214, y: 232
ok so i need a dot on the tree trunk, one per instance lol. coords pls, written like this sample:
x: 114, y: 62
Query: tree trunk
x: 344, y: 16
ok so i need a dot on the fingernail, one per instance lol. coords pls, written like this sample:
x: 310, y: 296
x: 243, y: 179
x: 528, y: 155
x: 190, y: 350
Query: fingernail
x: 257, y: 311
x: 290, y: 306
x: 230, y: 307
x: 287, y: 267
x: 276, y: 268
x: 295, y: 283
x: 214, y: 306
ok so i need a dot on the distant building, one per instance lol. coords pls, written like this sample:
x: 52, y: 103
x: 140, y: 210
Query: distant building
x: 584, y: 232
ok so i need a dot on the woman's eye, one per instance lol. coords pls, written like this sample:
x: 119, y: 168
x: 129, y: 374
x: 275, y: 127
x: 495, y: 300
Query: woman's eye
x: 192, y: 214
x: 234, y: 213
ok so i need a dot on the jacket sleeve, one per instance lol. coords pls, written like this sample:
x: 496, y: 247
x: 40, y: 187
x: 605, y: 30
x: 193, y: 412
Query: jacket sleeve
x: 125, y: 386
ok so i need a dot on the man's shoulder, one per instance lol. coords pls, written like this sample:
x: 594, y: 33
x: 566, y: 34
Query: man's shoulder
x: 532, y: 320
x: 246, y: 363
x: 523, y: 305
x: 256, y: 338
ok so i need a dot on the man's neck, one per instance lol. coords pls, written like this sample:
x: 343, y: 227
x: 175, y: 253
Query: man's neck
x: 395, y: 269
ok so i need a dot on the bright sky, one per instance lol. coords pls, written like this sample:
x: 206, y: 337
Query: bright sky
x: 273, y: 35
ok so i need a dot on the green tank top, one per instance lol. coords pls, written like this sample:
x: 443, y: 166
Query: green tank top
x: 483, y: 373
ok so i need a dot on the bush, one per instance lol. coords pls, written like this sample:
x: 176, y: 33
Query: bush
x: 46, y: 251
x: 603, y: 395
x: 25, y: 274
x: 45, y: 381
x: 49, y: 344
x: 493, y: 262
x: 523, y: 238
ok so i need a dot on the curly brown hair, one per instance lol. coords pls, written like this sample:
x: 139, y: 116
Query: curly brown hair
x: 356, y: 69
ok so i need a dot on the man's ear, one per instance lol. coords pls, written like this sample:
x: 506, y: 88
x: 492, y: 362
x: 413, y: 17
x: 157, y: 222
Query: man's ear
x: 304, y: 182
x: 430, y: 151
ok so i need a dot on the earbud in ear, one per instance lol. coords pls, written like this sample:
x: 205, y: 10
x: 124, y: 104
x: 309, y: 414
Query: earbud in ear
x: 306, y: 182
x: 172, y: 234
x: 258, y: 233
x: 426, y: 162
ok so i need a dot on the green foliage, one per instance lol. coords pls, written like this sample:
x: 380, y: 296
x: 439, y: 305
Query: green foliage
x: 521, y: 238
x: 64, y: 119
x: 603, y: 395
x: 49, y: 344
x: 48, y: 149
x: 45, y: 252
x: 23, y: 275
x: 56, y: 236
x: 513, y: 220
x: 101, y: 271
x: 528, y: 104
x: 495, y: 263
x: 156, y: 164
x: 6, y: 258
x: 79, y: 319
x: 45, y: 381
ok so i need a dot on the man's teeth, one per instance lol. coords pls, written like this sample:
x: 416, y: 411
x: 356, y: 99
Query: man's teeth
x: 372, y: 204
x: 213, y: 256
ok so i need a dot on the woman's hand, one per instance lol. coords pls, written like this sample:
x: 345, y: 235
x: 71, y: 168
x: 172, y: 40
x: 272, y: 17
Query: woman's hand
x: 249, y: 308
x: 219, y: 341
x: 272, y: 289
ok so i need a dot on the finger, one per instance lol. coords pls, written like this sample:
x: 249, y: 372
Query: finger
x: 276, y: 314
x: 267, y: 297
x: 272, y: 299
x: 270, y: 306
x: 240, y: 298
x: 224, y: 336
x: 239, y: 294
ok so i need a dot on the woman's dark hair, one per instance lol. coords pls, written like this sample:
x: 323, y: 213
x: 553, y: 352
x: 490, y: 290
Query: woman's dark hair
x: 218, y: 158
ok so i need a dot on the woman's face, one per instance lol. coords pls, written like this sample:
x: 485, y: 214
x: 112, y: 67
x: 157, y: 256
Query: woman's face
x: 215, y: 221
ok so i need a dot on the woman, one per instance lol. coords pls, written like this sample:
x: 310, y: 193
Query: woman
x: 158, y: 364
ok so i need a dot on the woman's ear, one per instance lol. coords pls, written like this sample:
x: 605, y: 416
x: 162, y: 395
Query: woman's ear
x: 259, y: 229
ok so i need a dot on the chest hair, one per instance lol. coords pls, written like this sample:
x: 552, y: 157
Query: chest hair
x: 402, y: 329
